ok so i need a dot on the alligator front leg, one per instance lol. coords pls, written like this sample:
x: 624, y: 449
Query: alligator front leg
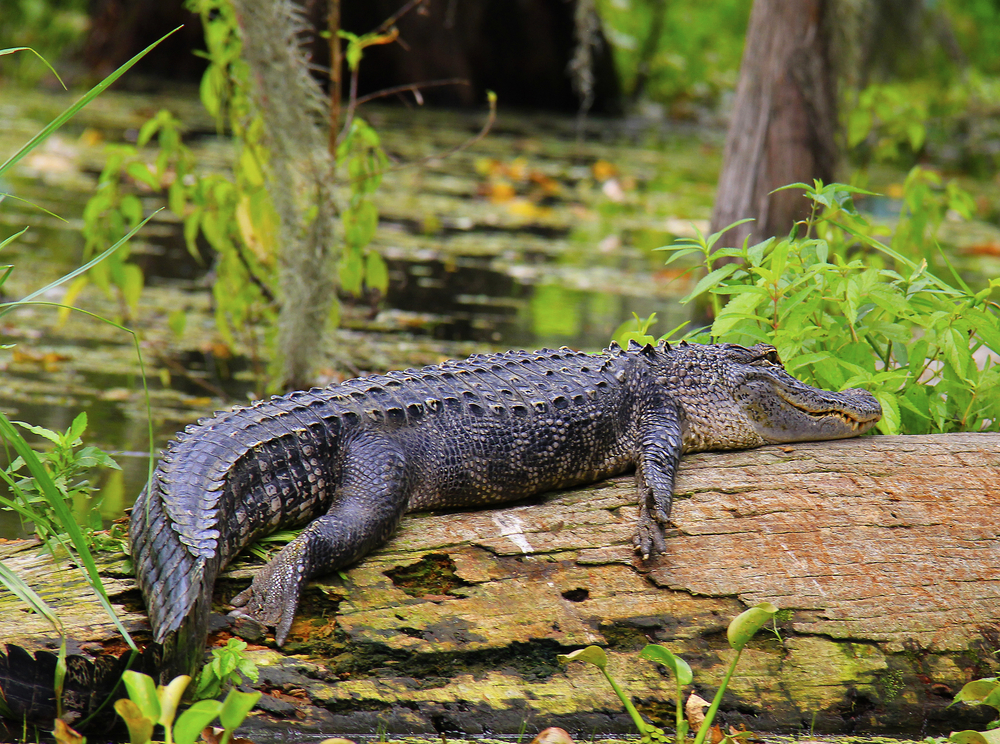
x: 660, y: 445
x: 366, y: 510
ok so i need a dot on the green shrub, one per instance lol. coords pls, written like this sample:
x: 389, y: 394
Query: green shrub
x: 846, y: 310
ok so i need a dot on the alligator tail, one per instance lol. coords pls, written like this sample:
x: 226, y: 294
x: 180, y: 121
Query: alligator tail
x: 177, y: 585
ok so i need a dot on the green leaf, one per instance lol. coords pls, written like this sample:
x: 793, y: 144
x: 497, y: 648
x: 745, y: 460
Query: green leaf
x: 78, y: 426
x: 40, y: 431
x: 890, y: 421
x: 712, y: 279
x: 132, y: 285
x: 236, y: 707
x: 976, y: 737
x: 141, y: 173
x: 140, y: 726
x: 360, y: 224
x: 169, y: 697
x: 377, y: 273
x: 677, y: 665
x: 350, y: 271
x: 590, y: 655
x: 142, y: 691
x: 976, y: 691
x: 194, y: 720
x: 12, y: 50
x: 745, y: 625
x: 27, y: 595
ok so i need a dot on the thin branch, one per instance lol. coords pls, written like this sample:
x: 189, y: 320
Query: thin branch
x: 412, y: 86
x: 391, y: 20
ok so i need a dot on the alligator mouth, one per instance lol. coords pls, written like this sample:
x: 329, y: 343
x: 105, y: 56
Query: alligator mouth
x: 855, y: 420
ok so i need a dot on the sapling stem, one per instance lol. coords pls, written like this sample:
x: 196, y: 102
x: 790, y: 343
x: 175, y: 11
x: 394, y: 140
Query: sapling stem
x: 716, y: 701
x: 636, y: 718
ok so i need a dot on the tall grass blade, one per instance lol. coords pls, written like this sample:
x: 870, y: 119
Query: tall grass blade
x: 52, y: 69
x: 30, y: 597
x: 6, y: 307
x: 72, y: 110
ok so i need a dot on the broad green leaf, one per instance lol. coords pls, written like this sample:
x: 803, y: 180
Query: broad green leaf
x: 745, y: 625
x: 710, y: 280
x: 976, y: 737
x: 360, y: 224
x: 677, y: 665
x: 78, y: 426
x: 976, y: 691
x: 590, y: 655
x: 193, y: 721
x: 236, y: 707
x: 890, y: 421
x: 170, y: 697
x: 142, y: 691
x: 141, y: 173
x: 40, y: 431
x: 350, y: 271
x: 739, y: 308
x: 140, y: 726
x: 132, y: 285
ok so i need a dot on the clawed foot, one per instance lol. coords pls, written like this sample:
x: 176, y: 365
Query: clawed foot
x: 272, y: 598
x: 654, y: 518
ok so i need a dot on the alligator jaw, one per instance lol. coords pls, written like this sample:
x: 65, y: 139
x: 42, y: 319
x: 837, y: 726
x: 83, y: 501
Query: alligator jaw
x: 803, y: 412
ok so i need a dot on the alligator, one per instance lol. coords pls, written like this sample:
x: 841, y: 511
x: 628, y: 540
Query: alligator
x: 350, y: 459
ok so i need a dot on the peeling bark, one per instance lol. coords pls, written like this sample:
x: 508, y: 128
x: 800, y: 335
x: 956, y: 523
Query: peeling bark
x: 881, y: 551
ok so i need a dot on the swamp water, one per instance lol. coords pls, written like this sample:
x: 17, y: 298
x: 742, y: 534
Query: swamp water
x: 541, y: 234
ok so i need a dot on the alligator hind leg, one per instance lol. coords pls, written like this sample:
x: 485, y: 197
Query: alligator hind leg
x: 660, y: 444
x: 369, y: 503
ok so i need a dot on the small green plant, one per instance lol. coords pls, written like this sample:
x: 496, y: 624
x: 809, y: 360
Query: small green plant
x: 149, y: 705
x: 229, y: 665
x: 980, y: 692
x: 742, y: 628
x: 846, y: 310
x: 68, y: 463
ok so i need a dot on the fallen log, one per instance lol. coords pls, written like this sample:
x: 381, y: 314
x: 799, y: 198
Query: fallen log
x: 882, y: 552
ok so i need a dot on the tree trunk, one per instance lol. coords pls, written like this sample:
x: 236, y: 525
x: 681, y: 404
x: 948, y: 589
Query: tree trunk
x: 783, y: 123
x: 882, y: 553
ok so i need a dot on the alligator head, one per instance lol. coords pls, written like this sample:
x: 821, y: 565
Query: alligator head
x: 738, y: 397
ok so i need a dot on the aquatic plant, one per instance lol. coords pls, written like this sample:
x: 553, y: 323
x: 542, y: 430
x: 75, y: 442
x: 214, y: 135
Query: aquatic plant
x: 742, y: 628
x: 229, y: 666
x: 979, y: 692
x: 149, y: 705
x: 68, y: 462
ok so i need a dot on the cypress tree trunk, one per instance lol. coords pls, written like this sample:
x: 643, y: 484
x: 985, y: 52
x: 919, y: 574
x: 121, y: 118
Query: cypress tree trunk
x: 784, y: 119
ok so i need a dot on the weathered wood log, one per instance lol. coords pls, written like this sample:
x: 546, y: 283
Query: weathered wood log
x: 882, y: 552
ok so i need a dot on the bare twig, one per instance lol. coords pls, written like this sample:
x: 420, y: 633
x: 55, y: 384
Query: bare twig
x: 391, y: 20
x: 411, y: 86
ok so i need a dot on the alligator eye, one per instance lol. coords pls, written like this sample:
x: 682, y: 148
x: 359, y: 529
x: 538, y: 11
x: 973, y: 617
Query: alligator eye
x: 770, y: 356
